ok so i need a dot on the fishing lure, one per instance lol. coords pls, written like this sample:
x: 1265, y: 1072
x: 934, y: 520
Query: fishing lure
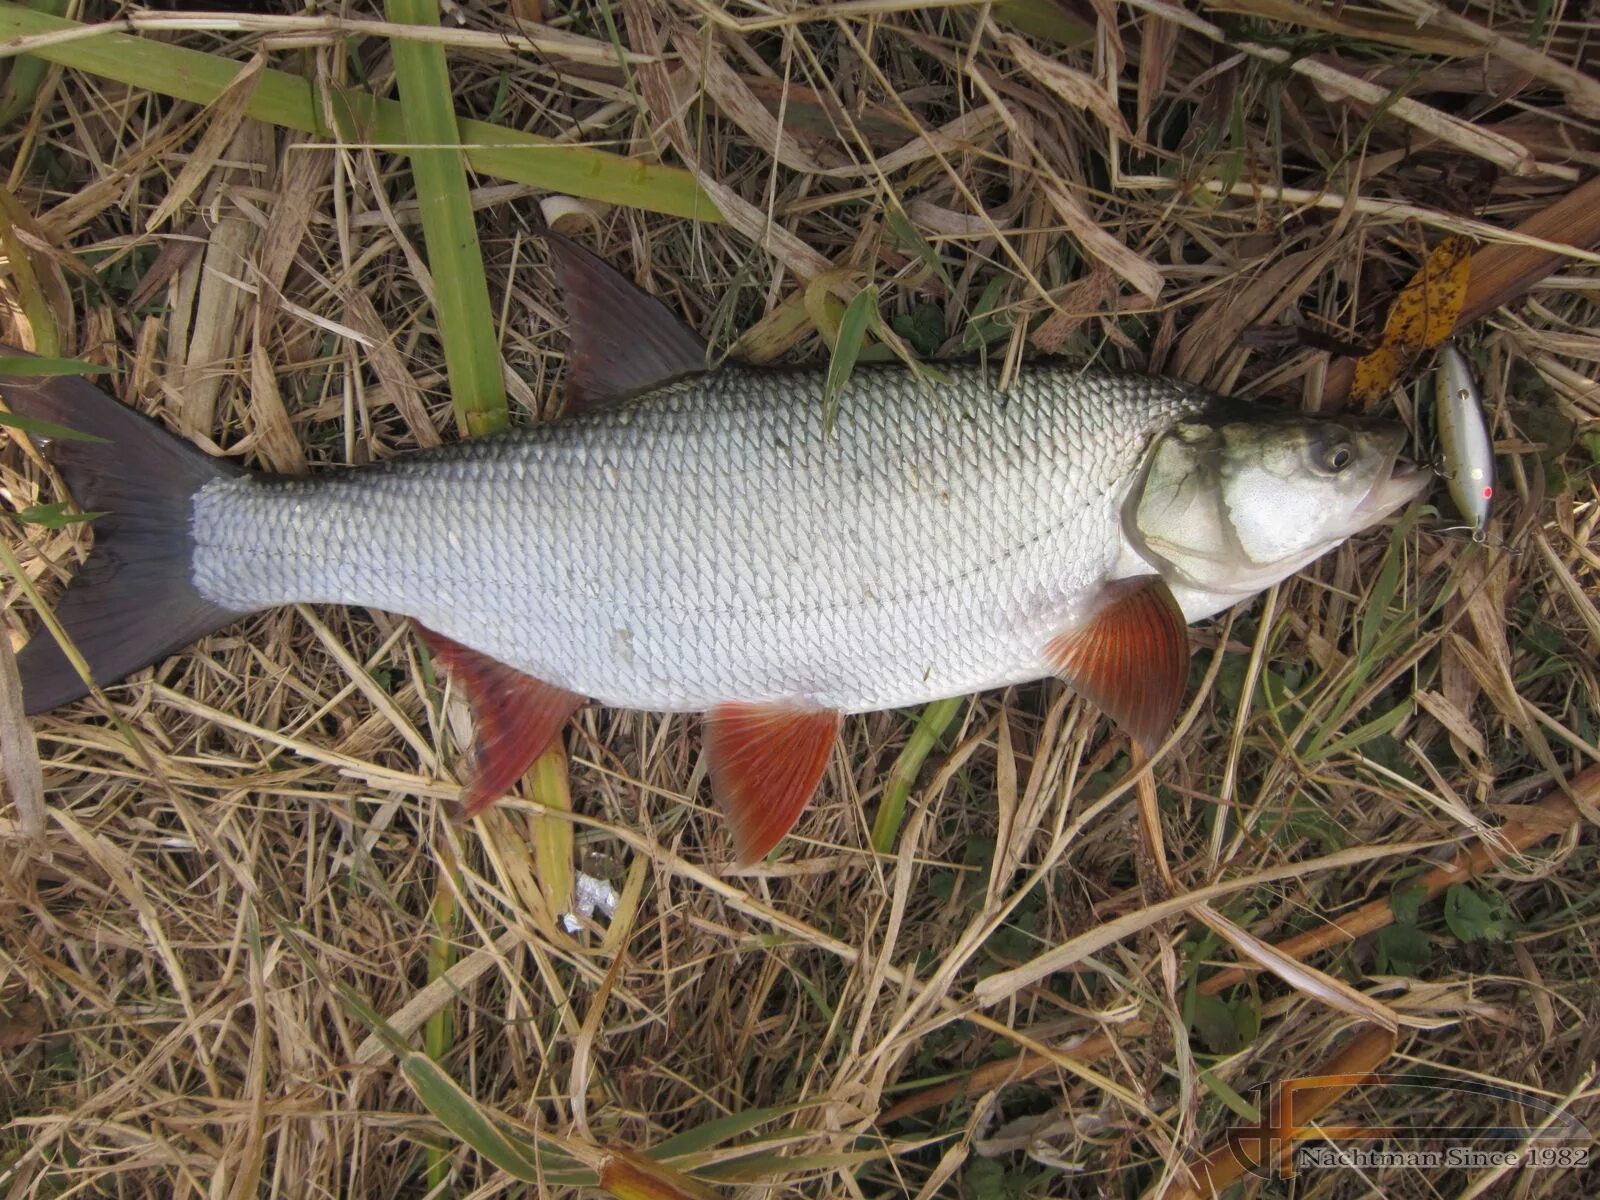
x: 1464, y: 443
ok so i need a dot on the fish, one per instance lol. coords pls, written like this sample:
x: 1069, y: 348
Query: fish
x: 1466, y: 449
x: 698, y: 538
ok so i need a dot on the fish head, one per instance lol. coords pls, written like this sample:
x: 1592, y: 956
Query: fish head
x: 1228, y: 508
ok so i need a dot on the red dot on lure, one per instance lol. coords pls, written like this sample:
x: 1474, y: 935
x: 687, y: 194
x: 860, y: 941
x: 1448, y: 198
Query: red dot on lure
x: 1488, y: 492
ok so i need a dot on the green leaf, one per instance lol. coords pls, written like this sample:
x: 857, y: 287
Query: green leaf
x: 34, y: 427
x: 713, y: 1133
x: 783, y: 1166
x: 983, y: 1179
x: 923, y: 327
x: 935, y: 719
x: 858, y: 314
x: 1476, y: 918
x: 1403, y: 950
x: 1375, y: 728
x: 460, y: 1114
x: 1375, y: 614
x: 907, y: 237
x: 1247, y: 1020
x: 1306, y: 820
x: 54, y: 516
x: 1235, y: 1103
x: 40, y: 368
x: 1215, y: 1024
x: 26, y: 73
x: 984, y: 328
x: 1014, y: 941
x: 1046, y: 20
x: 1406, y: 903
x: 437, y: 1031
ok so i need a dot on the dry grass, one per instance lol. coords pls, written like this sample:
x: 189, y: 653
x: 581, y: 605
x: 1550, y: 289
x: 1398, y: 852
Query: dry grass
x: 223, y: 878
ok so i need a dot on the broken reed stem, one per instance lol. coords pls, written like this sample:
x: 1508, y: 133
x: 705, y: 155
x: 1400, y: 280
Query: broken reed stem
x: 552, y: 837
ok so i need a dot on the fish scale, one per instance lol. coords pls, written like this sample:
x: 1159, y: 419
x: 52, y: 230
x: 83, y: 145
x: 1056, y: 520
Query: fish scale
x: 712, y: 541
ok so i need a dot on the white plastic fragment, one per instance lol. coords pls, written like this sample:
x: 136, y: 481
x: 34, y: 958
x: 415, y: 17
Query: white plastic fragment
x: 589, y: 896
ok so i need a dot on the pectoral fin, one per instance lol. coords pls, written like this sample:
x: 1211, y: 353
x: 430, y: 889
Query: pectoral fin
x: 515, y: 717
x: 1131, y: 659
x: 624, y: 340
x: 766, y: 761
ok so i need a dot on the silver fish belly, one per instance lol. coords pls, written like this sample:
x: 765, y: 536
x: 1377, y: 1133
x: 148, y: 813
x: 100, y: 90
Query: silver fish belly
x: 710, y: 541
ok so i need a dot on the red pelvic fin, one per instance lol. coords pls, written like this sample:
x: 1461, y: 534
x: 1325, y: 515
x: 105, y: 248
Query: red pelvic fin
x: 766, y: 761
x: 624, y: 340
x: 515, y: 717
x: 1131, y: 659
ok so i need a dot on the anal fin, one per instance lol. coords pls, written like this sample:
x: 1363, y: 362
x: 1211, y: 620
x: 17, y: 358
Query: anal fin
x: 766, y: 761
x: 1131, y: 659
x: 515, y: 717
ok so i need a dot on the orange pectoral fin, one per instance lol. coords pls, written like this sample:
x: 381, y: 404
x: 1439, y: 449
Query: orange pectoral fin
x: 766, y: 761
x: 515, y: 717
x: 1131, y: 659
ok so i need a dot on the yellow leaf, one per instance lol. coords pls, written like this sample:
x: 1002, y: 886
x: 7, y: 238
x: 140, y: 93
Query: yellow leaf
x: 1422, y: 316
x: 629, y: 1176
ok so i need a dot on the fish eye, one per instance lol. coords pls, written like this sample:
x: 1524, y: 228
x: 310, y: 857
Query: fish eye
x: 1337, y: 456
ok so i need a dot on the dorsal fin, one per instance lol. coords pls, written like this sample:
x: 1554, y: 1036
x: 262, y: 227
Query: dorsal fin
x: 624, y: 340
x: 515, y: 717
x: 1131, y: 659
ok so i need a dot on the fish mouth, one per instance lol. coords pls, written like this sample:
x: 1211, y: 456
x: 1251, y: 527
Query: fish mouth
x: 1402, y: 482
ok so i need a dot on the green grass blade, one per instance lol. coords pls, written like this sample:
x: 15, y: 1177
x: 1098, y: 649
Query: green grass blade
x: 459, y: 1113
x: 530, y: 1160
x: 858, y: 315
x: 1236, y: 1103
x: 438, y: 1031
x: 764, y: 1168
x: 29, y: 295
x: 293, y: 103
x: 54, y: 516
x: 1046, y: 20
x: 909, y: 238
x: 1375, y: 728
x: 45, y: 368
x: 34, y: 427
x: 930, y: 728
x: 713, y: 1133
x: 25, y: 73
x: 461, y: 293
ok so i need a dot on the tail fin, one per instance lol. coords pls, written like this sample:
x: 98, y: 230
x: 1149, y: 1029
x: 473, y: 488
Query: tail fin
x: 133, y: 602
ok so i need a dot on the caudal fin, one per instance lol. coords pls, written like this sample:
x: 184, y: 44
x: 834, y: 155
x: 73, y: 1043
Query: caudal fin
x: 133, y: 601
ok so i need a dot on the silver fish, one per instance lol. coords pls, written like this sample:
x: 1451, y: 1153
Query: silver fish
x: 1465, y: 446
x: 708, y: 545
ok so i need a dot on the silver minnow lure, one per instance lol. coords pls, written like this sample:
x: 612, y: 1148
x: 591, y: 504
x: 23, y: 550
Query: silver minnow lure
x: 693, y: 539
x: 1466, y: 450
